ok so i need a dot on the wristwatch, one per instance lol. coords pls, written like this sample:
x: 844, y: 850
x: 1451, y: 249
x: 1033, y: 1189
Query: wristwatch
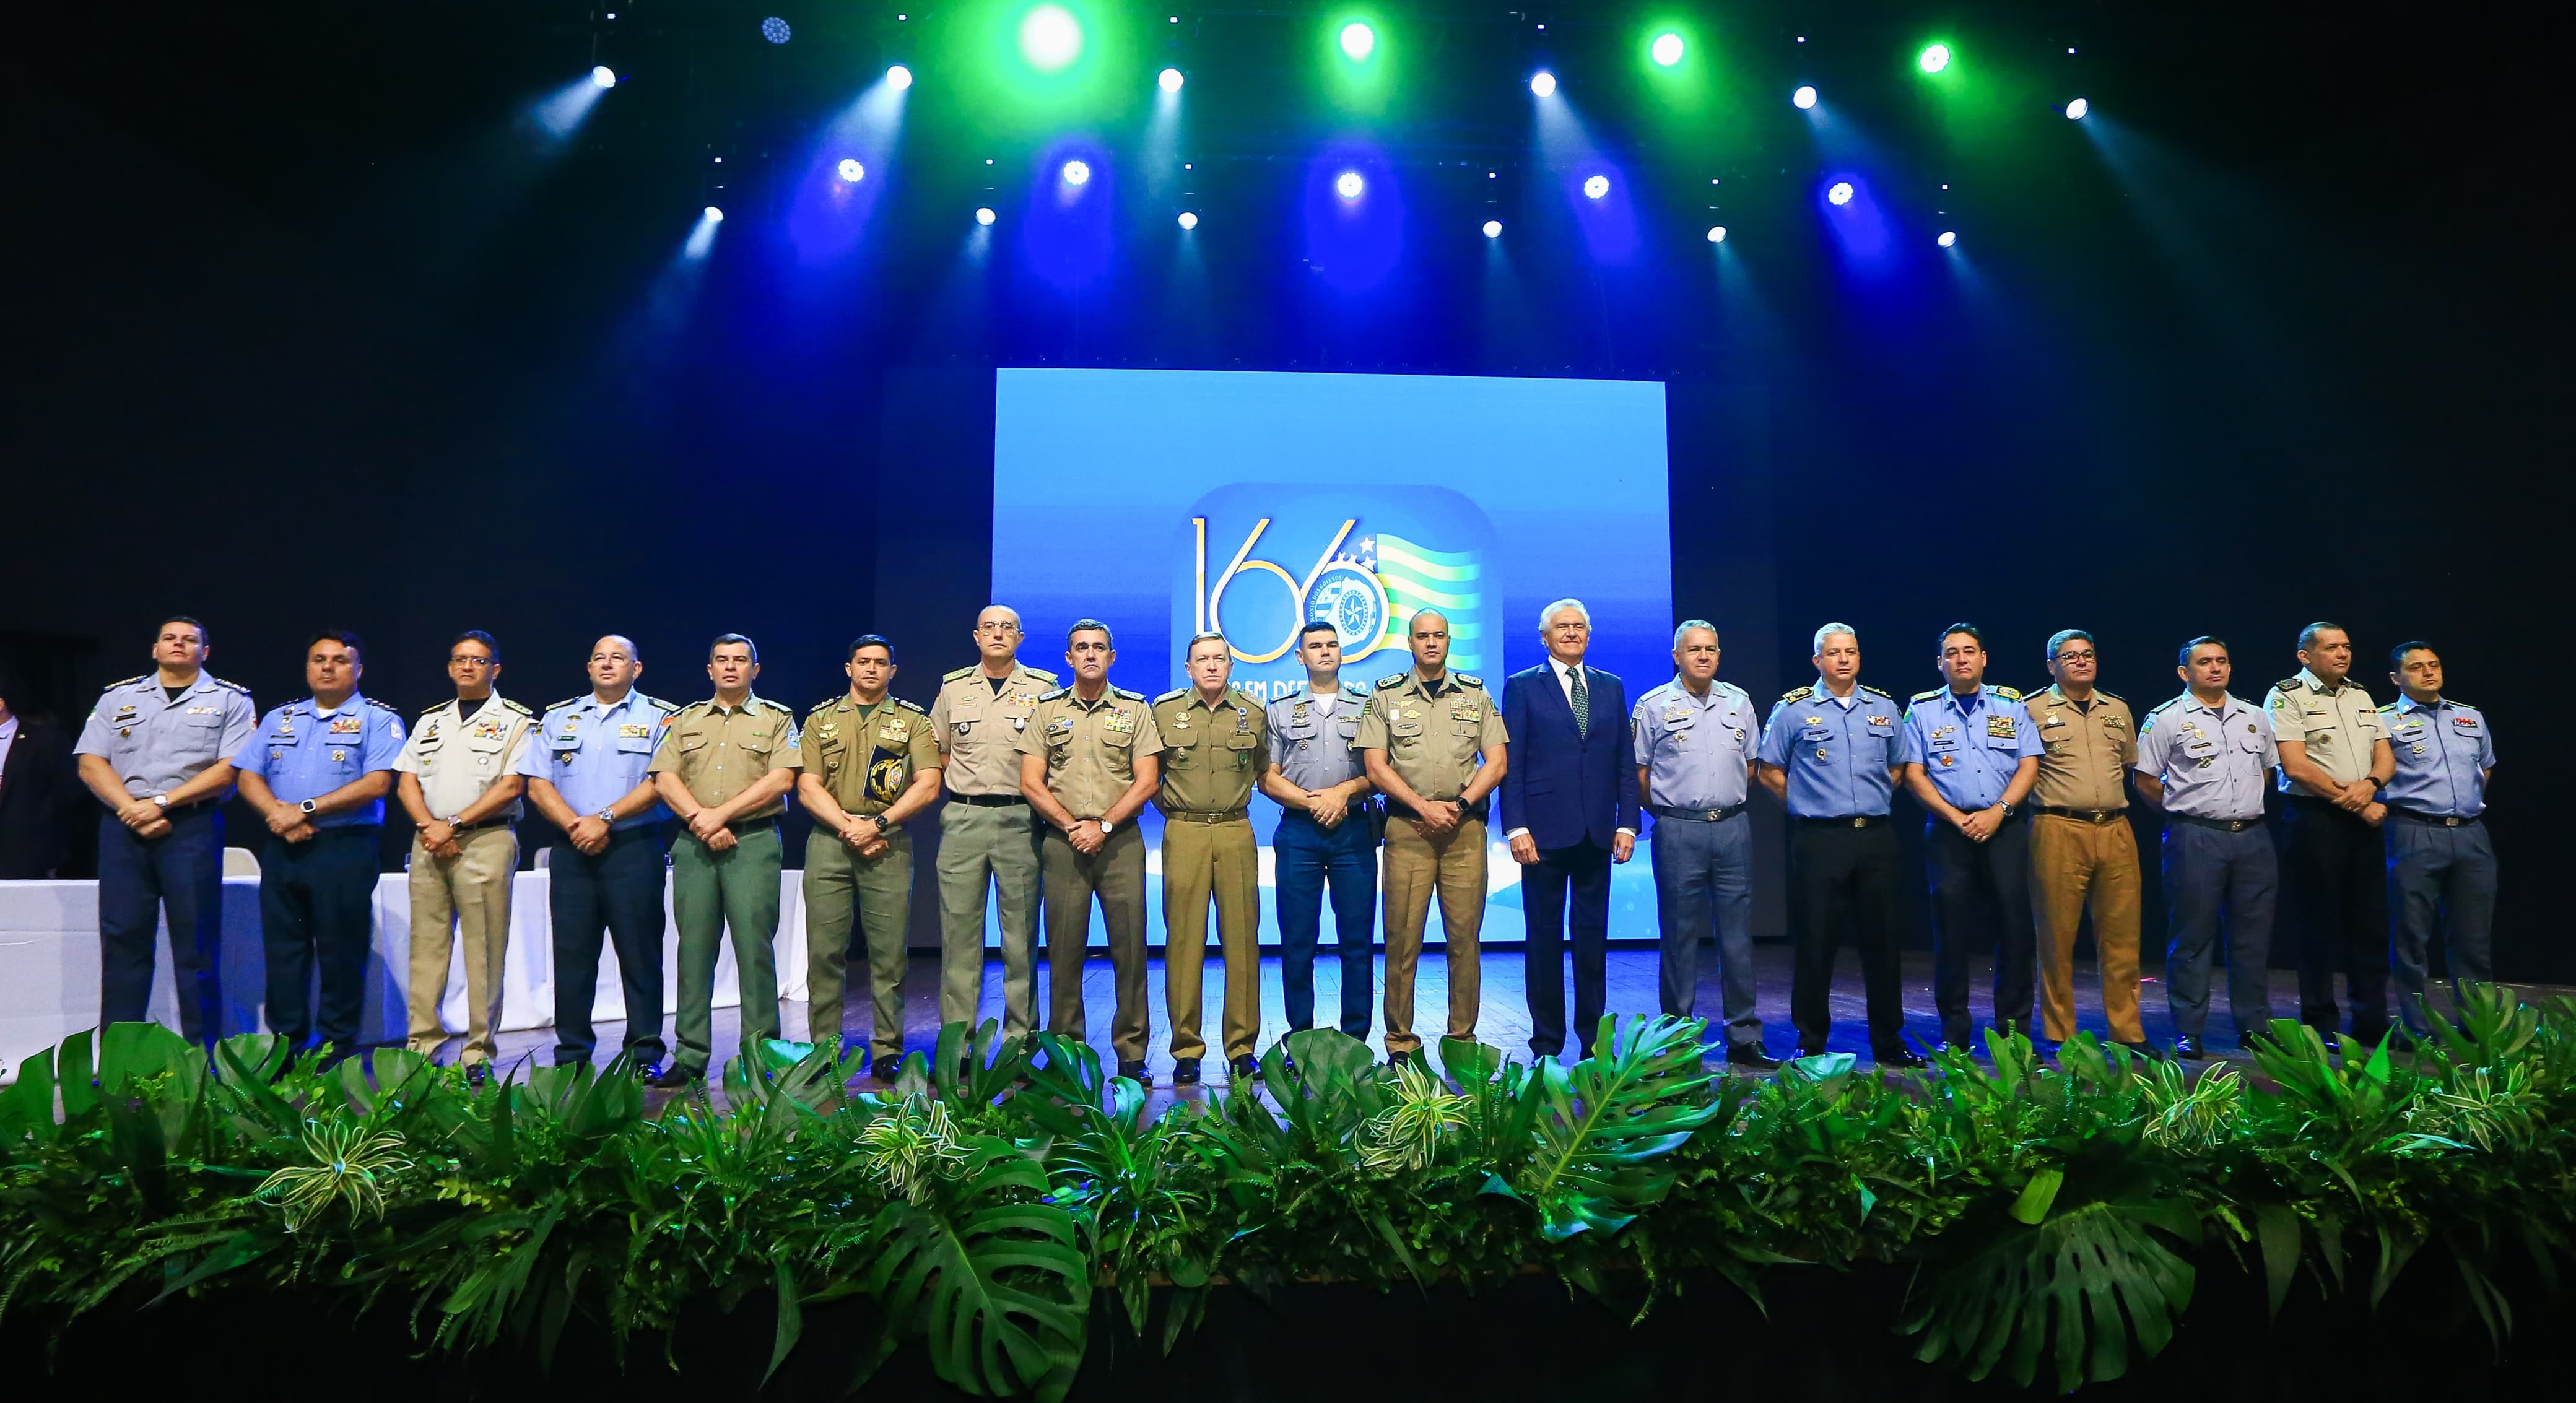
x: 161, y: 801
x: 1105, y: 826
x: 2007, y: 808
x: 607, y: 816
x: 309, y: 808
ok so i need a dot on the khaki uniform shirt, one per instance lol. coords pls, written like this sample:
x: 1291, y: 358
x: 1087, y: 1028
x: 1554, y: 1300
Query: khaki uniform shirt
x: 1211, y: 754
x: 458, y: 759
x: 2339, y: 727
x: 865, y: 755
x: 1432, y: 735
x: 979, y: 733
x: 719, y: 752
x: 2086, y: 754
x: 1091, y: 747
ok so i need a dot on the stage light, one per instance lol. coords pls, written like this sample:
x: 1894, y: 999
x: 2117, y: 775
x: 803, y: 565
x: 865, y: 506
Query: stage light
x: 1348, y: 185
x: 1948, y: 239
x: 1840, y: 193
x: 714, y: 215
x: 1596, y: 186
x: 775, y: 30
x: 1543, y: 83
x: 984, y: 215
x: 2075, y: 110
x: 604, y: 76
x: 1717, y: 233
x: 1189, y: 220
x: 1934, y: 59
x: 852, y: 171
x: 1050, y: 38
x: 1358, y: 41
x: 1076, y: 172
x: 1170, y: 80
x: 898, y: 77
x: 1493, y: 228
x: 1668, y: 48
x: 1803, y: 98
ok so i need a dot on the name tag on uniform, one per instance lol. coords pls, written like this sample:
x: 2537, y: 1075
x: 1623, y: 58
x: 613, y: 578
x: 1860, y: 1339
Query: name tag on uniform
x: 642, y: 730
x: 346, y: 725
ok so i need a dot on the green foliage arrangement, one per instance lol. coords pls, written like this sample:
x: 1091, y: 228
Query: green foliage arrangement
x: 1005, y: 1200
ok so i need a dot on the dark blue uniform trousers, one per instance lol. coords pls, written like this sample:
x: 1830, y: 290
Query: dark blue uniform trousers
x: 1704, y: 877
x: 2335, y: 870
x: 1981, y: 901
x: 317, y: 903
x: 184, y: 870
x: 1304, y: 857
x: 618, y: 894
x: 2214, y: 879
x: 2445, y: 876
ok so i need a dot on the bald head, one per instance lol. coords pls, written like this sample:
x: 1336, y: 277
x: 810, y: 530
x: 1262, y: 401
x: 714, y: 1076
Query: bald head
x: 1428, y: 636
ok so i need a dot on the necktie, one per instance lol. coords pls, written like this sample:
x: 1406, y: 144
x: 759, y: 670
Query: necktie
x: 1582, y: 706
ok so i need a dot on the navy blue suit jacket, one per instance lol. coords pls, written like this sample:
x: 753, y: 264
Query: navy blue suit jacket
x: 1564, y: 786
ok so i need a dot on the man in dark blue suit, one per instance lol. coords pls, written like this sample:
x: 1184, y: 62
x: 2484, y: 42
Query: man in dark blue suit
x: 1568, y: 817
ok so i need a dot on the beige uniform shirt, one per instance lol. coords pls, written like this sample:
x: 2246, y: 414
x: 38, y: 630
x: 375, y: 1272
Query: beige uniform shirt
x: 1432, y: 735
x: 1211, y: 755
x: 719, y: 752
x: 865, y: 755
x: 1091, y: 747
x: 979, y: 732
x: 458, y: 759
x: 2085, y: 755
x: 2338, y: 725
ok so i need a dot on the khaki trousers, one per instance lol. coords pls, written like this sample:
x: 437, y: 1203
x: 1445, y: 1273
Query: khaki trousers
x: 1221, y: 860
x: 2072, y: 861
x: 988, y: 850
x: 877, y: 891
x: 1115, y: 875
x: 467, y: 898
x: 1416, y: 865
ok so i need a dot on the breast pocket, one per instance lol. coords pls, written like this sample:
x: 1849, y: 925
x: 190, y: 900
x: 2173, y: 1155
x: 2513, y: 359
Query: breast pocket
x: 486, y: 752
x: 1239, y: 747
x: 1405, y: 734
x: 1941, y: 745
x: 1348, y: 728
x: 432, y: 755
x: 2003, y: 744
x: 1816, y: 735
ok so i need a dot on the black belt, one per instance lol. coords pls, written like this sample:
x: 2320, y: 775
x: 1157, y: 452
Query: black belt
x: 183, y: 810
x: 2223, y: 825
x: 1695, y: 815
x: 496, y: 821
x: 1203, y: 815
x: 989, y: 801
x: 2087, y: 815
x: 743, y: 826
x: 2436, y: 820
x: 1847, y: 821
x: 1396, y: 808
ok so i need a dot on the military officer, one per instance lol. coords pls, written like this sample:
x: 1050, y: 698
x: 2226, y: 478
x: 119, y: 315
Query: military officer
x: 1435, y: 746
x: 458, y: 778
x: 586, y: 773
x: 1216, y: 742
x: 725, y: 766
x: 1089, y: 760
x: 1328, y: 832
x: 1974, y: 762
x: 157, y: 751
x: 988, y: 834
x: 1696, y: 741
x: 2081, y: 849
x: 871, y: 762
x: 2441, y: 865
x: 1831, y: 754
x: 2204, y: 758
x: 317, y: 770
x: 2334, y: 759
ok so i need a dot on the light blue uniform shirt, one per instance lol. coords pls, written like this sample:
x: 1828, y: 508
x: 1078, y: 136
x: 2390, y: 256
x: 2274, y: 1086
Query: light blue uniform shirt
x: 304, y: 753
x: 2443, y: 755
x: 156, y: 744
x: 1969, y: 746
x: 1310, y: 736
x: 1837, y: 751
x: 2214, y: 762
x: 1694, y: 748
x: 595, y: 755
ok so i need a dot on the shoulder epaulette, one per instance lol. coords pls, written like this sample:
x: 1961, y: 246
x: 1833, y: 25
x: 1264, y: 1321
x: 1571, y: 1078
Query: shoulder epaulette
x: 2124, y: 701
x: 2384, y: 706
x: 914, y: 707
x: 426, y: 710
x: 1040, y: 674
x: 1927, y: 694
x: 2177, y: 701
x: 966, y: 671
x: 693, y: 706
x: 128, y: 682
x: 1123, y: 692
x: 825, y: 705
x: 514, y: 706
x: 1051, y: 696
x: 568, y: 701
x: 1801, y: 694
x: 1469, y: 679
x: 381, y: 705
x: 228, y: 686
x: 1873, y: 691
x: 779, y: 707
x: 657, y: 701
x: 2007, y: 693
x: 2286, y: 684
x: 1394, y: 679
x: 1167, y: 696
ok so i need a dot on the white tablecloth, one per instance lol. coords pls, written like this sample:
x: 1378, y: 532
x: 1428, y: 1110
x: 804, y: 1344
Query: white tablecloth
x: 49, y: 964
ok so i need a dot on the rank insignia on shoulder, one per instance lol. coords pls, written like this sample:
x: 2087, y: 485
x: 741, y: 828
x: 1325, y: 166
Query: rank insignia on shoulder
x: 128, y: 682
x: 960, y: 675
x: 914, y: 707
x: 514, y: 706
x: 1051, y: 696
x: 232, y: 686
x: 1123, y: 692
x: 433, y: 710
x: 1394, y: 679
x: 1039, y: 673
x: 567, y: 702
x: 1175, y: 693
x: 1798, y: 695
x: 2286, y: 684
x: 1873, y: 691
x: 1469, y: 679
x: 2007, y: 693
x: 382, y: 705
x: 1928, y: 694
x: 666, y: 706
x: 2105, y: 691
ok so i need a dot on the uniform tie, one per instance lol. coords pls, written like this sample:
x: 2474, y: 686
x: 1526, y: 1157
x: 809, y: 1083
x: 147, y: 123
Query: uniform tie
x: 1582, y: 705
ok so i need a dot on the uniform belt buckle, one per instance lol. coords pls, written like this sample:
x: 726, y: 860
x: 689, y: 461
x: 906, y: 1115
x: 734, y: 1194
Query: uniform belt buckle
x: 2239, y: 825
x: 1712, y: 815
x: 1860, y: 821
x: 2450, y: 820
x: 2100, y: 817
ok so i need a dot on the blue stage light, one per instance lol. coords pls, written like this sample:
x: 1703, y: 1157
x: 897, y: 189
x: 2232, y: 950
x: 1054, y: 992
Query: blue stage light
x: 714, y: 215
x: 1594, y: 187
x: 898, y: 77
x: 1717, y: 233
x: 1803, y: 98
x: 1169, y: 80
x: 1076, y: 172
x: 1839, y: 193
x: 1543, y: 83
x: 984, y: 215
x: 1948, y: 239
x: 1493, y: 228
x: 1349, y: 186
x: 1358, y: 41
x: 2075, y: 110
x: 852, y: 171
x: 604, y: 76
x: 775, y: 30
x: 1189, y: 220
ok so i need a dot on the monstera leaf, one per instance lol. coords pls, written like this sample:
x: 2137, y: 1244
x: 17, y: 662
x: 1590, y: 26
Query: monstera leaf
x: 1603, y: 1129
x: 991, y: 1278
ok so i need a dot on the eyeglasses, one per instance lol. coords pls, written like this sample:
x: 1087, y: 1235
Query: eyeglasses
x: 997, y: 628
x: 461, y: 660
x: 2083, y: 657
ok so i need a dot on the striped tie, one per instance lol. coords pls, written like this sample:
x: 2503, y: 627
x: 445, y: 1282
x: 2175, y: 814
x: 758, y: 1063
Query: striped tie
x: 1582, y: 705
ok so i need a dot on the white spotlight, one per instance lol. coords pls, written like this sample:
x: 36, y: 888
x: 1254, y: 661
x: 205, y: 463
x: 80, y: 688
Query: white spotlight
x: 1949, y: 239
x: 1594, y: 187
x: 1170, y: 80
x: 898, y: 77
x: 852, y: 171
x: 1077, y: 172
x: 984, y: 216
x: 1189, y: 220
x: 1493, y: 228
x: 1840, y: 193
x: 1804, y: 97
x: 1348, y: 185
x: 1543, y: 83
x: 2075, y: 110
x: 604, y: 76
x: 714, y: 215
x: 1717, y: 233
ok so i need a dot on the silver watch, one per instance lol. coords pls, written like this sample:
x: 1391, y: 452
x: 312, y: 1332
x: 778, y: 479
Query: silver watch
x: 1105, y: 826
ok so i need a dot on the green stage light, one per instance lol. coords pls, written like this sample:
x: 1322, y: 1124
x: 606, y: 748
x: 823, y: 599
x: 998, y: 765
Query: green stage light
x: 1358, y: 41
x: 1050, y: 38
x: 1934, y: 59
x: 1667, y: 48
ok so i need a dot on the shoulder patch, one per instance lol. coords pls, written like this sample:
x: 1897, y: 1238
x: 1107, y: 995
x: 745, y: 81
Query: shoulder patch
x: 128, y: 682
x: 915, y: 708
x: 657, y: 701
x: 1167, y: 696
x: 1469, y: 679
x: 2286, y: 684
x: 1393, y: 679
x: 2124, y: 701
x: 1051, y: 696
x: 382, y: 705
x: 2007, y: 693
x: 1873, y: 691
x: 514, y: 706
x: 1123, y: 692
x: 959, y: 675
x: 2384, y: 706
x: 1801, y: 694
x: 568, y: 701
x: 1039, y: 673
x: 228, y: 685
x: 1927, y: 694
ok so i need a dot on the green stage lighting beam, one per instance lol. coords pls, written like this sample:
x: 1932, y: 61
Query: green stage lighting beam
x: 1667, y: 49
x: 1934, y: 59
x: 1050, y: 38
x: 1358, y: 41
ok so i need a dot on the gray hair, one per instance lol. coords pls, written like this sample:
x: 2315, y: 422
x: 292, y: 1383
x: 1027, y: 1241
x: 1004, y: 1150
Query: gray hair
x: 2063, y: 637
x: 1687, y: 625
x: 1547, y: 616
x: 1830, y: 630
x: 1416, y: 617
x: 1209, y: 636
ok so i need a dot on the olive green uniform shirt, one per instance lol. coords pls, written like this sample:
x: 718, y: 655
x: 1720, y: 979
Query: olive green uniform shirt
x: 2085, y: 754
x: 1091, y: 747
x: 1432, y: 735
x: 2338, y: 725
x: 1211, y: 754
x: 719, y: 751
x: 979, y: 732
x: 865, y: 755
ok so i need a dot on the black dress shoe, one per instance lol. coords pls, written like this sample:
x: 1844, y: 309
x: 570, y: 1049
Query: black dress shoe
x: 2146, y: 1050
x: 1901, y: 1057
x: 478, y: 1073
x: 647, y: 1071
x: 1804, y: 1051
x: 676, y: 1076
x: 1245, y: 1069
x: 1185, y: 1071
x: 1135, y: 1072
x: 2188, y: 1047
x: 1752, y: 1057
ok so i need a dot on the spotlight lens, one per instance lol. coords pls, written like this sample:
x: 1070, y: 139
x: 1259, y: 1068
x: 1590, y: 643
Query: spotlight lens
x: 714, y: 215
x: 1803, y: 98
x: 898, y: 77
x: 1358, y: 41
x: 1189, y: 220
x: 1077, y: 172
x: 983, y: 216
x: 1935, y: 58
x: 1349, y: 185
x: 1050, y: 38
x: 1948, y: 238
x: 1668, y: 49
x: 775, y: 30
x: 1493, y: 228
x: 1840, y: 193
x: 1170, y: 80
x: 1717, y: 234
x: 1594, y: 187
x: 604, y: 76
x: 852, y: 171
x: 1543, y: 83
x: 2075, y: 110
